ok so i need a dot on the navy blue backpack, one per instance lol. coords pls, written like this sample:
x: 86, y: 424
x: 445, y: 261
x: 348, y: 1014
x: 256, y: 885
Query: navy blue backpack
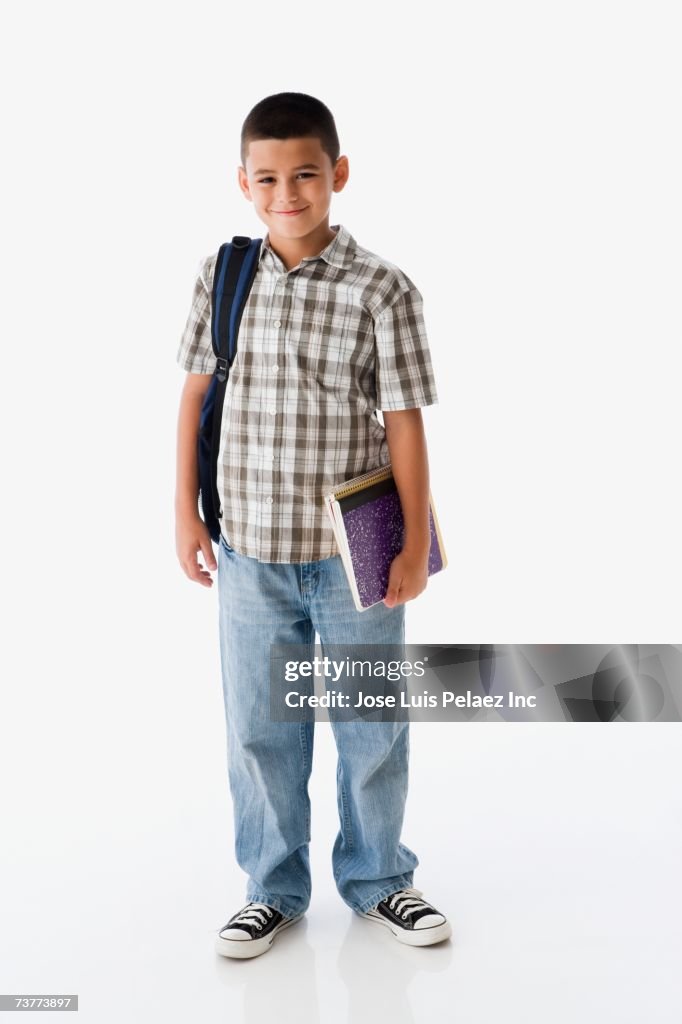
x: 235, y: 269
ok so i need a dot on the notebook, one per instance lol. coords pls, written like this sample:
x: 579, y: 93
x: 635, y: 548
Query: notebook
x: 368, y: 525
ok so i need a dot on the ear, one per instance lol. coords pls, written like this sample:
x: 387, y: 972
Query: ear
x: 341, y: 173
x: 243, y: 182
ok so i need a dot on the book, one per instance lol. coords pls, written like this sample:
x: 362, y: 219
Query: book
x: 369, y: 528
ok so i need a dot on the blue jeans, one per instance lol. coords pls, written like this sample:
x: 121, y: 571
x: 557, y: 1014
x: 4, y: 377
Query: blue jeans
x: 269, y: 762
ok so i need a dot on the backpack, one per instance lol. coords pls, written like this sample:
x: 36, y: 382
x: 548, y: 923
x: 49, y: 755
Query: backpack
x: 235, y: 269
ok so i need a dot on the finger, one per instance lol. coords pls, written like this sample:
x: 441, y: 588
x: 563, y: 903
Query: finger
x: 207, y: 552
x: 203, y: 577
x: 393, y: 589
x: 192, y: 568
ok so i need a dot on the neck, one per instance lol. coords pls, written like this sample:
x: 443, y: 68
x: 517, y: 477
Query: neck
x: 292, y: 250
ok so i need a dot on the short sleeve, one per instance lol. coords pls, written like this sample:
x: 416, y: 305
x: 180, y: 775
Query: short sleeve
x: 195, y: 352
x: 404, y: 374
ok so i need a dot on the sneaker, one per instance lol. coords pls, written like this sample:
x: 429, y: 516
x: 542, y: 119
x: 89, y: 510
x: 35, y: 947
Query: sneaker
x: 411, y: 919
x: 252, y: 930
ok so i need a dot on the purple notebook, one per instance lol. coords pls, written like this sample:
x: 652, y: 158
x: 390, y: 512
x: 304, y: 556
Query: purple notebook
x: 368, y: 525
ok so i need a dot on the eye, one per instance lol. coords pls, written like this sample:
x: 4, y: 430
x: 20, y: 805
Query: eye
x: 302, y: 174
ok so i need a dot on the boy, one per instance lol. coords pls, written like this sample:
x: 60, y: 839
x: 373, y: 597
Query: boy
x: 329, y: 333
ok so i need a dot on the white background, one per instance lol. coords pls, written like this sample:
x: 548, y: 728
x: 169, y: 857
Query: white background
x: 521, y: 162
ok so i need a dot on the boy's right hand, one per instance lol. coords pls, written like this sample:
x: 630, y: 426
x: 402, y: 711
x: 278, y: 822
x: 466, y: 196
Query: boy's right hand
x: 191, y: 535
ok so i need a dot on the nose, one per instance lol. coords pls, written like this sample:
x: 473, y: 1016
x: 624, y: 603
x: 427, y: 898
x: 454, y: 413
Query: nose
x: 287, y: 194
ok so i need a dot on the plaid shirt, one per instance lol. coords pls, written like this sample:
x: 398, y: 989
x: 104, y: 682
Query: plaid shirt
x: 320, y: 347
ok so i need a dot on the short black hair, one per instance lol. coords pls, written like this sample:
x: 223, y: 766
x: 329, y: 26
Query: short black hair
x: 291, y: 115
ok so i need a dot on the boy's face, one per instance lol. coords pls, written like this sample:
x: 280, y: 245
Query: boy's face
x: 291, y: 175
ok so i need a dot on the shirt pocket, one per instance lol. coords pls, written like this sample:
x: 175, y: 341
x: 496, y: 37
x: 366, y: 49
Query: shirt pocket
x: 335, y: 348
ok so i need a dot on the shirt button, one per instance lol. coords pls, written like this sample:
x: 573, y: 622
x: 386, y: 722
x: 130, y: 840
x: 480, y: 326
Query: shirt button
x: 275, y: 367
x: 272, y: 410
x: 268, y: 500
x: 276, y: 323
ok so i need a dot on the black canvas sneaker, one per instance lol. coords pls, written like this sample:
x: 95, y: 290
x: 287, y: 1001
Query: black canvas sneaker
x: 411, y: 919
x: 252, y: 930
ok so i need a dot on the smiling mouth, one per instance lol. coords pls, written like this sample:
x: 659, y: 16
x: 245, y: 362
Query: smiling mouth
x: 290, y: 213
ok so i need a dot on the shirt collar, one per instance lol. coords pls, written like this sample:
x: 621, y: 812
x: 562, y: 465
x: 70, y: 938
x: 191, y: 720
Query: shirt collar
x: 339, y: 253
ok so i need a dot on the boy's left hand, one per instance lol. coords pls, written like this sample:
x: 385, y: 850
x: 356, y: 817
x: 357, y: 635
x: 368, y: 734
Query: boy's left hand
x: 408, y: 576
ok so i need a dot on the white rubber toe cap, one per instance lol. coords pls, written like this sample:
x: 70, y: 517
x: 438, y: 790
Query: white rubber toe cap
x: 429, y: 921
x: 235, y: 933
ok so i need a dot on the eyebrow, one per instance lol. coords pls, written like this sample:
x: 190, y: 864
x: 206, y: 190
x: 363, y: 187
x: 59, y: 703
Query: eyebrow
x: 303, y: 167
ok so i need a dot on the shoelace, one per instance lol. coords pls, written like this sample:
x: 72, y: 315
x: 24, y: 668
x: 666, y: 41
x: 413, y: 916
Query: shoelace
x: 406, y: 901
x: 253, y: 914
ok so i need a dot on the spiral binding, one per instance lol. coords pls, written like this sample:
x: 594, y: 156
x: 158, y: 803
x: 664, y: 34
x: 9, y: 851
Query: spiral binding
x: 372, y: 476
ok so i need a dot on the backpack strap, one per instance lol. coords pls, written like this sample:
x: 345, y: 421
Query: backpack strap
x: 235, y: 269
